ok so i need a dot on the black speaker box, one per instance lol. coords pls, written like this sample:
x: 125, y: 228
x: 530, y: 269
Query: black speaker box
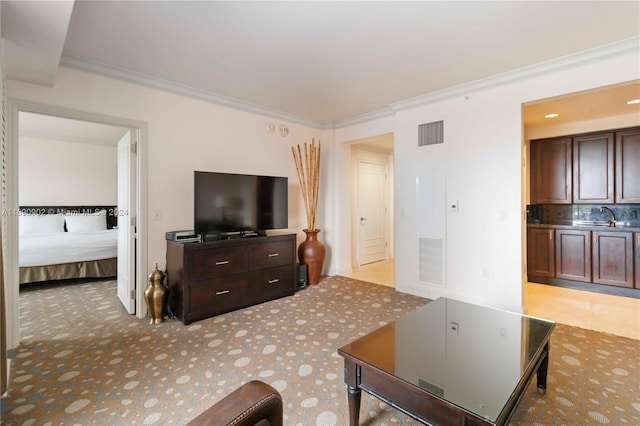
x: 301, y: 276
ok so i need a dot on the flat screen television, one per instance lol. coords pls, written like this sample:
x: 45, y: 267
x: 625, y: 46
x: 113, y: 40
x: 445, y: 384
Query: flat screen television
x: 227, y: 203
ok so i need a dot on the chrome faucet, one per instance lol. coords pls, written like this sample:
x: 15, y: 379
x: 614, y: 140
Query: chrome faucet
x: 611, y: 222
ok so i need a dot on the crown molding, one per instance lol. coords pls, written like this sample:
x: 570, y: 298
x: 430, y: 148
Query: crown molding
x: 631, y: 45
x: 363, y: 118
x: 179, y: 89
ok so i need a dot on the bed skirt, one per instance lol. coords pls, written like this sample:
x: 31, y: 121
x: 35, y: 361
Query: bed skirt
x: 90, y: 269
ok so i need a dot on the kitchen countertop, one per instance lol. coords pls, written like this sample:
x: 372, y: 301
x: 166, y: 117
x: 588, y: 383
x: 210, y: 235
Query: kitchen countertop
x: 617, y: 228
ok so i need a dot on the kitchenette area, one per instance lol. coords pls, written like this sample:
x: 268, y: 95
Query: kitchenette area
x: 583, y: 219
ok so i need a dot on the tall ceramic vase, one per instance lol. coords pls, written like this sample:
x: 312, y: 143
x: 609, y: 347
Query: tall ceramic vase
x: 311, y: 253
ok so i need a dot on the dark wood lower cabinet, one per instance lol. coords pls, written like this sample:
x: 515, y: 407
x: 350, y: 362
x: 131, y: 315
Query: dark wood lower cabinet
x: 211, y: 278
x: 573, y: 255
x: 541, y: 253
x: 613, y: 258
x: 636, y: 238
x: 600, y: 260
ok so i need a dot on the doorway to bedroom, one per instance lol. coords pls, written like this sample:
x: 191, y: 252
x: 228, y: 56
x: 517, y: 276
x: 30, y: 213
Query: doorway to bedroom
x: 76, y: 187
x: 137, y: 213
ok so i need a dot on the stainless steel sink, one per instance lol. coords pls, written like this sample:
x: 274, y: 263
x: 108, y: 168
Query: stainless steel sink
x: 592, y: 223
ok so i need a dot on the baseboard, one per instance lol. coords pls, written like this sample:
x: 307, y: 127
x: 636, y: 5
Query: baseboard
x: 596, y: 288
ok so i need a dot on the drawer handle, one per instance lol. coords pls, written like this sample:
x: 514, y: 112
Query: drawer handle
x: 274, y: 281
x: 273, y: 254
x: 222, y: 262
x: 218, y: 293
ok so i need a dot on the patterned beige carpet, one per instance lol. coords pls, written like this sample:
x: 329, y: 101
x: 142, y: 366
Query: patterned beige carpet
x: 84, y: 361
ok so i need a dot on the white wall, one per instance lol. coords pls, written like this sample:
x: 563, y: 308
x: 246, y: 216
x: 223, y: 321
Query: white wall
x: 53, y: 172
x: 482, y: 160
x: 184, y: 135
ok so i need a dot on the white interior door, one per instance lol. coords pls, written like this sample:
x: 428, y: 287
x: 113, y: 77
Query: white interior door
x: 126, y: 221
x: 371, y: 210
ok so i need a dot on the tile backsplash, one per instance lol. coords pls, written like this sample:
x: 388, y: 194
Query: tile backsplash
x: 566, y: 214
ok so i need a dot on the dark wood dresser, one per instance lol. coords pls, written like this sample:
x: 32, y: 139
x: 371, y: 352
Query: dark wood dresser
x: 211, y: 278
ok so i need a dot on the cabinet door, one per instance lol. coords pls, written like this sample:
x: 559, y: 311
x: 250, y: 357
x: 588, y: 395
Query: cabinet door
x: 551, y: 178
x: 573, y: 255
x: 628, y: 166
x: 540, y: 253
x: 593, y: 175
x: 637, y: 256
x: 613, y: 258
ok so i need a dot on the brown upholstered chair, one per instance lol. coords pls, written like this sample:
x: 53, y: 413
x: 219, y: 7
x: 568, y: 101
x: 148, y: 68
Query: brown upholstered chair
x: 254, y: 403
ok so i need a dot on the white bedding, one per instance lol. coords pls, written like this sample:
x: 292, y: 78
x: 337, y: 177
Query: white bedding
x: 67, y: 247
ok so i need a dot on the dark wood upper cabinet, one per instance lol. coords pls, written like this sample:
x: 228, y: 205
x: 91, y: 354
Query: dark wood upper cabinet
x: 628, y: 166
x: 596, y: 168
x: 551, y: 176
x: 593, y: 162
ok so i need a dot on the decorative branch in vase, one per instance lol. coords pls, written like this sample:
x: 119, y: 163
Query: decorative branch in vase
x: 311, y: 251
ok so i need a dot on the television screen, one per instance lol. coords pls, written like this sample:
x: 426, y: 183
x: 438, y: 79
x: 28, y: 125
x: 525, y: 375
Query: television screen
x: 230, y: 203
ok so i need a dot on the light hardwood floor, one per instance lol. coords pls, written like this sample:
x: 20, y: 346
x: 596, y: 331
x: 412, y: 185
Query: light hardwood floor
x: 595, y: 311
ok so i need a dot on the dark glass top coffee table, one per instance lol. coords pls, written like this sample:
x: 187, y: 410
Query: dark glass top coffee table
x: 449, y: 363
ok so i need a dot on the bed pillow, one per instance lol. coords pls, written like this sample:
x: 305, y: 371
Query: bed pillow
x: 86, y: 222
x: 41, y: 224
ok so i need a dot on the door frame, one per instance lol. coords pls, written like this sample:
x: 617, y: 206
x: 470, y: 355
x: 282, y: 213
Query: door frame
x: 12, y: 286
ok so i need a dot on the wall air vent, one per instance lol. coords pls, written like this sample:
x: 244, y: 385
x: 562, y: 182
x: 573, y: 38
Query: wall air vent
x: 431, y: 261
x: 431, y: 133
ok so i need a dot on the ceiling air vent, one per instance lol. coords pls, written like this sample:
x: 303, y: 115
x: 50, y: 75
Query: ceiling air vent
x: 431, y: 133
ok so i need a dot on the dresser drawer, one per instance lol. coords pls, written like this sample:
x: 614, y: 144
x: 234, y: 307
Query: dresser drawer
x: 205, y: 264
x: 268, y: 255
x: 273, y: 283
x: 217, y: 296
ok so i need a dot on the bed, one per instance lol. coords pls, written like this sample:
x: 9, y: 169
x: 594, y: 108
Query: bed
x: 63, y: 242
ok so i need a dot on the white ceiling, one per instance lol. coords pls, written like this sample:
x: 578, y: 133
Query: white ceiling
x: 68, y: 130
x: 583, y: 106
x: 316, y: 62
x: 33, y: 34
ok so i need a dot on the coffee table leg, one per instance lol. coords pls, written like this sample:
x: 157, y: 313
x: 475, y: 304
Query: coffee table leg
x: 353, y: 396
x: 542, y: 371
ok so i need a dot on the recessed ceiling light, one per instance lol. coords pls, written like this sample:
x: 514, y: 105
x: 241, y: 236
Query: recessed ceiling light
x: 551, y: 115
x: 633, y: 102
